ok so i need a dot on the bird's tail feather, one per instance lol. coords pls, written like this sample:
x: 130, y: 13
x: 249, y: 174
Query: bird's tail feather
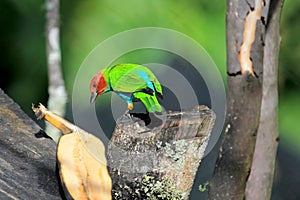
x: 150, y: 101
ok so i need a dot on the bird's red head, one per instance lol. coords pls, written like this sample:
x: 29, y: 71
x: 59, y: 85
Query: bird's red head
x: 98, y: 86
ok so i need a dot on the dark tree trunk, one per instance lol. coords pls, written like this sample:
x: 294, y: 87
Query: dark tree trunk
x: 259, y: 185
x: 246, y: 35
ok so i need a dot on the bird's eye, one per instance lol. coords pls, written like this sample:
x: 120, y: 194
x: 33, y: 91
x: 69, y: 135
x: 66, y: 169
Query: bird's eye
x: 94, y: 85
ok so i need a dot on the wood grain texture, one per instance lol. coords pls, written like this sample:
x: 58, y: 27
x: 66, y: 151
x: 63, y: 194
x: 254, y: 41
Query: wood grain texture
x: 27, y: 163
x: 168, y: 154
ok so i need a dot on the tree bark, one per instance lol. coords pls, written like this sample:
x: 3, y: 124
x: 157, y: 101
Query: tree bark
x: 245, y: 50
x: 27, y: 161
x: 259, y: 185
x: 57, y: 92
x: 158, y: 162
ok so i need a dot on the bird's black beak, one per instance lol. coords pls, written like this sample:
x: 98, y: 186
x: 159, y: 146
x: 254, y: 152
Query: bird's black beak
x: 93, y: 97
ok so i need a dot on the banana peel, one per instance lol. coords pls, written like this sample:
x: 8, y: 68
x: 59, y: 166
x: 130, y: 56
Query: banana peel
x: 81, y: 160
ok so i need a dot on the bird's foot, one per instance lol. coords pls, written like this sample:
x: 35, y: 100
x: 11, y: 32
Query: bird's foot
x: 130, y: 106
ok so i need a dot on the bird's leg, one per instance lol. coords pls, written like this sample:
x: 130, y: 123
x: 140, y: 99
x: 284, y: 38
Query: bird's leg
x: 128, y: 100
x: 130, y: 105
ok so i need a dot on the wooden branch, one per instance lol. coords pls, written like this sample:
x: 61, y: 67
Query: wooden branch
x: 161, y: 161
x: 259, y: 185
x: 27, y: 163
x: 57, y: 92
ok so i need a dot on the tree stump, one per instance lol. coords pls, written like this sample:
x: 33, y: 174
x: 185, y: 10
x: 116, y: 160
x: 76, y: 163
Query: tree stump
x: 158, y: 162
x: 27, y: 163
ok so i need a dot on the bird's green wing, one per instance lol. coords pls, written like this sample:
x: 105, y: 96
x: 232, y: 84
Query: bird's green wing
x: 131, y: 78
x: 150, y: 101
x: 157, y: 87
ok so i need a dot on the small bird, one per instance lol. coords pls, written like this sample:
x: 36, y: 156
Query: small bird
x: 132, y: 82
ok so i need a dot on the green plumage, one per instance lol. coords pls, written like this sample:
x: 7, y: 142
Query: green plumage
x: 149, y: 101
x: 136, y: 80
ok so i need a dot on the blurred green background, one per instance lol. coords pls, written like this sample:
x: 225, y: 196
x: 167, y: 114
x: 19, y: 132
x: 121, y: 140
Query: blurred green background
x: 84, y: 24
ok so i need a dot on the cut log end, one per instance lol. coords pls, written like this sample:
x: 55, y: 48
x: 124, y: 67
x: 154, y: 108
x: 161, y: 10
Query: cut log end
x: 167, y: 156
